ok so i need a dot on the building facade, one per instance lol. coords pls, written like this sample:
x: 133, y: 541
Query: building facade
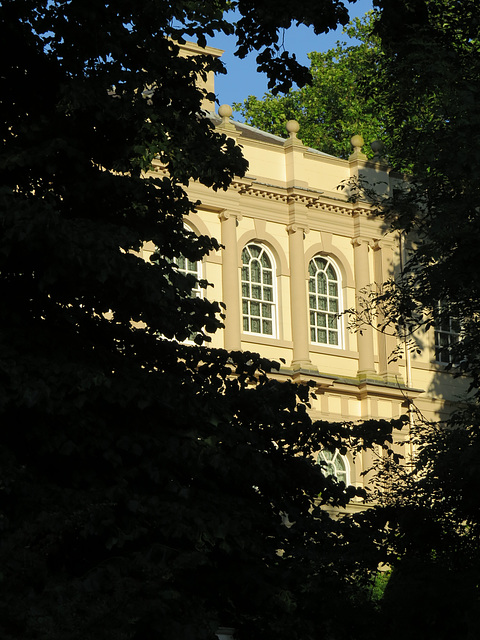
x: 297, y: 253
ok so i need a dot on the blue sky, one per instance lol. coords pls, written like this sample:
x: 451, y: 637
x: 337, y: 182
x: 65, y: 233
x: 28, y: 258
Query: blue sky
x: 243, y: 79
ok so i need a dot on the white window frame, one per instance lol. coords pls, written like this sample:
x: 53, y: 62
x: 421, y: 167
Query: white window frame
x: 331, y: 469
x: 446, y: 334
x: 250, y: 298
x: 191, y: 267
x: 330, y: 316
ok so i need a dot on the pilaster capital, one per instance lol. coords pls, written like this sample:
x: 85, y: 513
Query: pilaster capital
x: 358, y: 242
x: 227, y: 214
x: 296, y: 226
x: 381, y: 243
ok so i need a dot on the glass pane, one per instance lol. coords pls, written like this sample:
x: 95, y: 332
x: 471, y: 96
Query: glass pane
x: 245, y: 307
x: 256, y: 291
x: 311, y: 285
x: 322, y: 336
x: 255, y: 325
x: 255, y: 271
x: 267, y: 277
x: 332, y: 289
x: 180, y: 261
x: 321, y: 283
x: 255, y: 308
x: 331, y: 273
x: 313, y: 302
x: 312, y: 335
x: 255, y: 250
x: 245, y: 274
x: 444, y: 341
x: 245, y: 256
x: 445, y: 324
x: 333, y: 305
x: 322, y: 303
x: 245, y: 290
x: 312, y: 269
x: 339, y: 462
x: 268, y: 294
x: 330, y: 470
x: 245, y: 324
x: 312, y: 318
x: 321, y: 263
x: 265, y: 260
x: 192, y: 266
x: 267, y: 310
x: 332, y: 321
x: 321, y: 320
x: 332, y: 337
x: 267, y: 327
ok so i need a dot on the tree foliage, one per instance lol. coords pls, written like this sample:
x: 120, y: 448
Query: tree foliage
x: 145, y: 484
x: 430, y: 94
x: 331, y: 108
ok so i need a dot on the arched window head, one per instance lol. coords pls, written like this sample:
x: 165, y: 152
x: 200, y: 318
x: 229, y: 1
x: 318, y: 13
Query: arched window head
x: 258, y: 290
x: 324, y: 302
x: 333, y: 464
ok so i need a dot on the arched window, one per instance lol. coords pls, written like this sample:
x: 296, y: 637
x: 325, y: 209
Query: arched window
x: 258, y: 290
x: 324, y: 302
x: 186, y: 266
x: 333, y: 464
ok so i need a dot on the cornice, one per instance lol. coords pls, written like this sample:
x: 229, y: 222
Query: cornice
x: 259, y: 190
x: 312, y: 198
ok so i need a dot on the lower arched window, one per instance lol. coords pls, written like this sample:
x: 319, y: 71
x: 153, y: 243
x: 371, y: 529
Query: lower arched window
x: 189, y: 267
x: 334, y: 464
x: 324, y: 294
x: 258, y: 290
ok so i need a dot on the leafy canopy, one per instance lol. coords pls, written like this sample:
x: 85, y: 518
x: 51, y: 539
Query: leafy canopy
x: 145, y: 484
x: 429, y: 97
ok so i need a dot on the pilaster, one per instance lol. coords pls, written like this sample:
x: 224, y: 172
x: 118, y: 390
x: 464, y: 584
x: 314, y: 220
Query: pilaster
x: 230, y: 279
x: 382, y: 261
x: 298, y: 298
x: 366, y: 362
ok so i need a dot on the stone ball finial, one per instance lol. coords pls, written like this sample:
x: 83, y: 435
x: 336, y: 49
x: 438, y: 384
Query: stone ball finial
x: 378, y: 149
x: 225, y: 112
x: 357, y: 141
x: 357, y: 144
x: 293, y: 128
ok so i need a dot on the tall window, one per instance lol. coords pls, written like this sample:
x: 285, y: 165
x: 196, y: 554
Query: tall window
x: 258, y: 290
x: 324, y: 302
x: 333, y: 464
x: 447, y: 334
